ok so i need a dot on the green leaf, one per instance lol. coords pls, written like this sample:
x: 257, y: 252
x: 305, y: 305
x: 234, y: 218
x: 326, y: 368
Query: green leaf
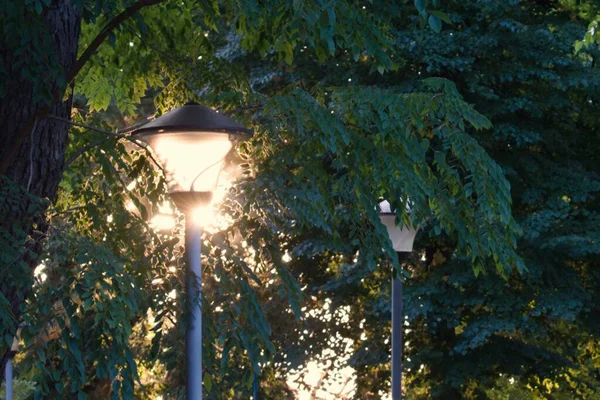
x: 420, y: 5
x: 41, y: 354
x: 442, y: 16
x: 435, y: 23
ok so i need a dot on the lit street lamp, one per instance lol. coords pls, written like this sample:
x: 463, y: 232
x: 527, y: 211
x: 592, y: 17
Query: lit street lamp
x: 191, y: 143
x: 402, y: 241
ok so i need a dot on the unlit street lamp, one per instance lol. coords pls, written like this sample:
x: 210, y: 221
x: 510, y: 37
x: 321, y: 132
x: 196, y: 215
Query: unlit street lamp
x: 402, y: 239
x: 192, y: 142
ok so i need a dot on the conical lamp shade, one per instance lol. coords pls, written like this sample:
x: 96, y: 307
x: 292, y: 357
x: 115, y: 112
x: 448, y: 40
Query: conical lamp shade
x: 402, y: 238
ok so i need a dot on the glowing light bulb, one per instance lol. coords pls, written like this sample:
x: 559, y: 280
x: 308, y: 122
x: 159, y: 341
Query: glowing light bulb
x: 203, y: 215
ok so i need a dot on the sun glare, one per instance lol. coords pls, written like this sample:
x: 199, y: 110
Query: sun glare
x: 204, y: 215
x: 162, y: 222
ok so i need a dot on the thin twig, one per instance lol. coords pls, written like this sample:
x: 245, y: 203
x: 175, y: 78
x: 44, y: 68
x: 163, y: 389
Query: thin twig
x: 134, y: 127
x: 84, y: 149
x: 88, y: 127
x: 243, y: 108
x: 9, y: 265
x: 158, y: 50
x: 68, y: 210
x: 114, y: 134
x: 93, y: 128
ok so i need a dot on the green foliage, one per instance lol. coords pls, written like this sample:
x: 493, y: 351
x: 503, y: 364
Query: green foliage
x: 22, y: 390
x: 586, y: 11
x: 88, y: 291
x: 332, y: 137
x: 362, y: 131
x: 82, y: 317
x: 17, y: 245
x: 32, y: 62
x: 515, y: 62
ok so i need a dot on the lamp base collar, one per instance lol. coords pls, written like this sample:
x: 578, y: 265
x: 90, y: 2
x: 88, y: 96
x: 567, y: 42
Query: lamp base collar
x: 188, y: 201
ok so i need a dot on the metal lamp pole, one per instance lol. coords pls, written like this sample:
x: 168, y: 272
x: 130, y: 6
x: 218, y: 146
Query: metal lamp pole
x: 193, y: 335
x: 8, y: 376
x: 8, y: 369
x: 397, y: 322
x: 402, y: 239
x: 191, y: 143
x: 188, y: 202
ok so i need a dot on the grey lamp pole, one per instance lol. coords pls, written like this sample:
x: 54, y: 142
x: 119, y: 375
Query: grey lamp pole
x: 397, y: 322
x: 193, y: 335
x: 402, y: 241
x: 8, y: 376
x: 8, y: 370
x: 192, y: 142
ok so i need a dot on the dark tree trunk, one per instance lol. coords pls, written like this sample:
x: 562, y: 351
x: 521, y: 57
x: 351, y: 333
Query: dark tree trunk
x: 37, y: 166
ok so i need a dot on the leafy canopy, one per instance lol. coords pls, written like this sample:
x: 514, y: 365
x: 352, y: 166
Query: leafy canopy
x: 327, y: 147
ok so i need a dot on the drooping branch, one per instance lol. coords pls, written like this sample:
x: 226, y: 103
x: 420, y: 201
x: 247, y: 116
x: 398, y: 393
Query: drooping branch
x: 105, y: 32
x: 88, y: 127
x: 117, y: 135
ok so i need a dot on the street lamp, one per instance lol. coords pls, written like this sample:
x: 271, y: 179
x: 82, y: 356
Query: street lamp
x: 402, y: 239
x: 191, y: 143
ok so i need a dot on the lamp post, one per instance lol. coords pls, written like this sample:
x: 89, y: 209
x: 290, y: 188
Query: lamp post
x: 191, y: 143
x: 8, y: 371
x: 402, y: 240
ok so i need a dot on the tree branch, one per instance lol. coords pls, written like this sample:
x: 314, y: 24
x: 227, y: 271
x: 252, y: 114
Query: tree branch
x: 101, y: 37
x: 85, y: 149
x: 88, y: 127
x: 43, y: 111
x: 114, y: 134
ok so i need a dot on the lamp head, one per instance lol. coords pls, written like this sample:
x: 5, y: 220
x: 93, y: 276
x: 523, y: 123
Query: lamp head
x: 15, y: 343
x: 402, y: 238
x: 191, y: 143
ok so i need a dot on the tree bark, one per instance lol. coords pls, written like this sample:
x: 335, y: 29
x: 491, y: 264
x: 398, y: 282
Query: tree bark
x: 32, y: 147
x: 38, y: 164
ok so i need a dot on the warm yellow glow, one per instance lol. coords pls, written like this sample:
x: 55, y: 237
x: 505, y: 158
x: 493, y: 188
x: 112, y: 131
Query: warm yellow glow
x: 165, y: 208
x: 130, y: 206
x: 162, y: 222
x: 165, y: 219
x: 286, y: 257
x: 209, y: 219
x: 203, y: 215
x: 327, y: 375
x: 192, y: 162
x: 39, y: 272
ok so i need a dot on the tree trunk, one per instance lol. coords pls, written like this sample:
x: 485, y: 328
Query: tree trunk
x: 38, y: 164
